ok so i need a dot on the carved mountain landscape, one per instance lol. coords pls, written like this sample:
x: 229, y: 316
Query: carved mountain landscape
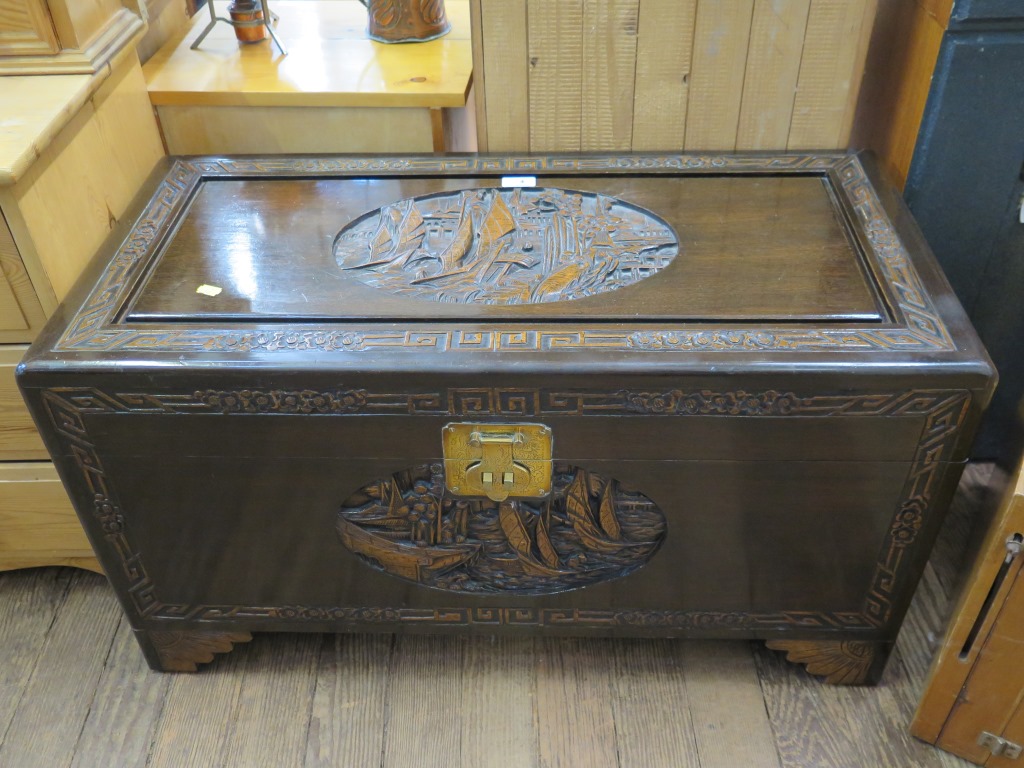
x: 589, y: 530
x: 505, y: 246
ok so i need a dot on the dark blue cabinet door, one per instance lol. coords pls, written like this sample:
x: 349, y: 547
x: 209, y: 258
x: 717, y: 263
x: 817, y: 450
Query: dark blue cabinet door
x: 965, y: 188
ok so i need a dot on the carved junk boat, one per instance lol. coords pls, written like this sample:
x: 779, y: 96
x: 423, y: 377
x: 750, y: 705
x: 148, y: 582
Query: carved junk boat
x: 404, y: 558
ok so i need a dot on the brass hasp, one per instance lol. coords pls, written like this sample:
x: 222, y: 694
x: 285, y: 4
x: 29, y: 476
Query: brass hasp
x: 499, y: 461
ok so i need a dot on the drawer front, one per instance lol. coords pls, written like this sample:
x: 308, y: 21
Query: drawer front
x: 38, y: 525
x: 21, y: 314
x: 19, y: 440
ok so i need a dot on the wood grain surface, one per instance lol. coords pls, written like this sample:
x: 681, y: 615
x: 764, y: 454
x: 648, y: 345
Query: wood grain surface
x: 897, y: 79
x: 19, y: 439
x: 555, y: 75
x: 425, y: 702
x: 770, y: 80
x: 574, y: 710
x: 609, y: 57
x: 664, y: 50
x: 26, y: 28
x: 54, y: 706
x: 721, y: 75
x: 504, y: 33
x: 791, y: 224
x: 125, y: 710
x: 652, y: 706
x: 474, y: 702
x: 350, y: 700
x: 835, y: 47
x: 21, y: 308
x: 720, y: 42
x: 90, y: 172
x: 975, y: 683
x: 331, y: 63
x: 38, y: 525
x: 190, y: 129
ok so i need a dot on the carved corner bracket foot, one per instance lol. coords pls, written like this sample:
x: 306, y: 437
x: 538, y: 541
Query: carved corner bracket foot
x: 183, y: 650
x: 840, y: 662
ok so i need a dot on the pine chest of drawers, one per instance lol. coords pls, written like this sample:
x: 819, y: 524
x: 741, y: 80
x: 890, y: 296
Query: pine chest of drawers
x: 650, y: 395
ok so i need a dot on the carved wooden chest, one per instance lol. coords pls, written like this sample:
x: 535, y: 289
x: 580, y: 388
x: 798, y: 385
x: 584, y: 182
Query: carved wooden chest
x: 645, y: 395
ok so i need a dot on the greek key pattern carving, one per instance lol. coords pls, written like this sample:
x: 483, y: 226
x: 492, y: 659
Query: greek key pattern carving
x: 509, y: 402
x: 937, y: 441
x: 917, y: 327
x: 944, y: 413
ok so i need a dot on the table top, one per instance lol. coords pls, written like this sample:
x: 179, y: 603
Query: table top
x: 330, y: 63
x: 33, y: 109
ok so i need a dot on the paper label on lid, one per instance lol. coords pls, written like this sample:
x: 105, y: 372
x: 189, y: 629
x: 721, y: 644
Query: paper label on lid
x: 519, y: 181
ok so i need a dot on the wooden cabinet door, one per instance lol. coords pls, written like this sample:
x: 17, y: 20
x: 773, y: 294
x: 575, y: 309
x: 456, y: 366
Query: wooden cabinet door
x: 26, y: 29
x: 976, y: 685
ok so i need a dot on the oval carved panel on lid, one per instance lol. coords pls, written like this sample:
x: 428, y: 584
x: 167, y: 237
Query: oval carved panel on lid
x: 589, y: 530
x: 505, y: 246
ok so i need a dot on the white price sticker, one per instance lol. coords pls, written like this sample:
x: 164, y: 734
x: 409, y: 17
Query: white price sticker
x: 519, y: 181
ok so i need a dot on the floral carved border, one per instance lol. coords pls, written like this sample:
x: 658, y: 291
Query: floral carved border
x: 918, y: 324
x: 944, y: 413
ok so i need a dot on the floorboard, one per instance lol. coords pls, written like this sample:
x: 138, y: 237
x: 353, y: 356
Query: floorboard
x: 125, y: 711
x: 277, y: 687
x: 199, y: 712
x: 499, y: 689
x: 28, y: 605
x: 730, y: 722
x: 76, y: 693
x: 575, y: 722
x: 347, y: 722
x: 651, y: 705
x: 424, y: 703
x: 54, y: 707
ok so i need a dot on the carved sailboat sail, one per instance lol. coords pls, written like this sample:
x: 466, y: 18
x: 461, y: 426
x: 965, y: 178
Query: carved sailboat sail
x: 581, y: 516
x: 606, y: 513
x: 410, y: 236
x: 518, y: 536
x: 467, y: 255
x: 397, y: 238
x: 391, y: 502
x: 498, y: 223
x: 548, y: 553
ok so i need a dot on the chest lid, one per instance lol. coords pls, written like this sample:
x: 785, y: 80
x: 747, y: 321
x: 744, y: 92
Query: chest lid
x: 585, y: 254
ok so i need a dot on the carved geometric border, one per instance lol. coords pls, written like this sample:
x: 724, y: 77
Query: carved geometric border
x: 918, y: 324
x: 944, y: 413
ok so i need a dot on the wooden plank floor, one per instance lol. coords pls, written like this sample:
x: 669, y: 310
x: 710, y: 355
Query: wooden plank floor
x: 74, y: 691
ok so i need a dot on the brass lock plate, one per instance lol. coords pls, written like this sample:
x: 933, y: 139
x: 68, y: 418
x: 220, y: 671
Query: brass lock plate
x: 499, y: 461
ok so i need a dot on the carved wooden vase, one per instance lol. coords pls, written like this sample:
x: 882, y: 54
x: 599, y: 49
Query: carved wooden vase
x: 250, y: 12
x: 406, y: 21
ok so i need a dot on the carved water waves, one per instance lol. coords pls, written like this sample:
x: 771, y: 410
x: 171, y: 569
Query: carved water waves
x: 505, y: 246
x: 590, y: 530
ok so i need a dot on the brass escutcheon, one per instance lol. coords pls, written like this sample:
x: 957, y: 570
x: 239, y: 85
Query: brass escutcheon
x: 499, y: 461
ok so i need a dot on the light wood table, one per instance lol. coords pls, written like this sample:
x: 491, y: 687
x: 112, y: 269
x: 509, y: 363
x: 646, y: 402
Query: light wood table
x: 335, y: 91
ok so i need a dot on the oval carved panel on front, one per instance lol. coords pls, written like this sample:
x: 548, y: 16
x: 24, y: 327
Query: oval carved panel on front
x: 590, y: 530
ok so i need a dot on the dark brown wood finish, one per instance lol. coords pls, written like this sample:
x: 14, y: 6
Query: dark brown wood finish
x: 800, y: 443
x: 779, y: 236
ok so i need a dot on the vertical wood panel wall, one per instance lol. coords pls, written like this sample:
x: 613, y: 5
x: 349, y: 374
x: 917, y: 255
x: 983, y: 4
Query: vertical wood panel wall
x: 567, y: 75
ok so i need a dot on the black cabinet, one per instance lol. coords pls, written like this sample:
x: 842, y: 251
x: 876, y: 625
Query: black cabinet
x: 966, y: 185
